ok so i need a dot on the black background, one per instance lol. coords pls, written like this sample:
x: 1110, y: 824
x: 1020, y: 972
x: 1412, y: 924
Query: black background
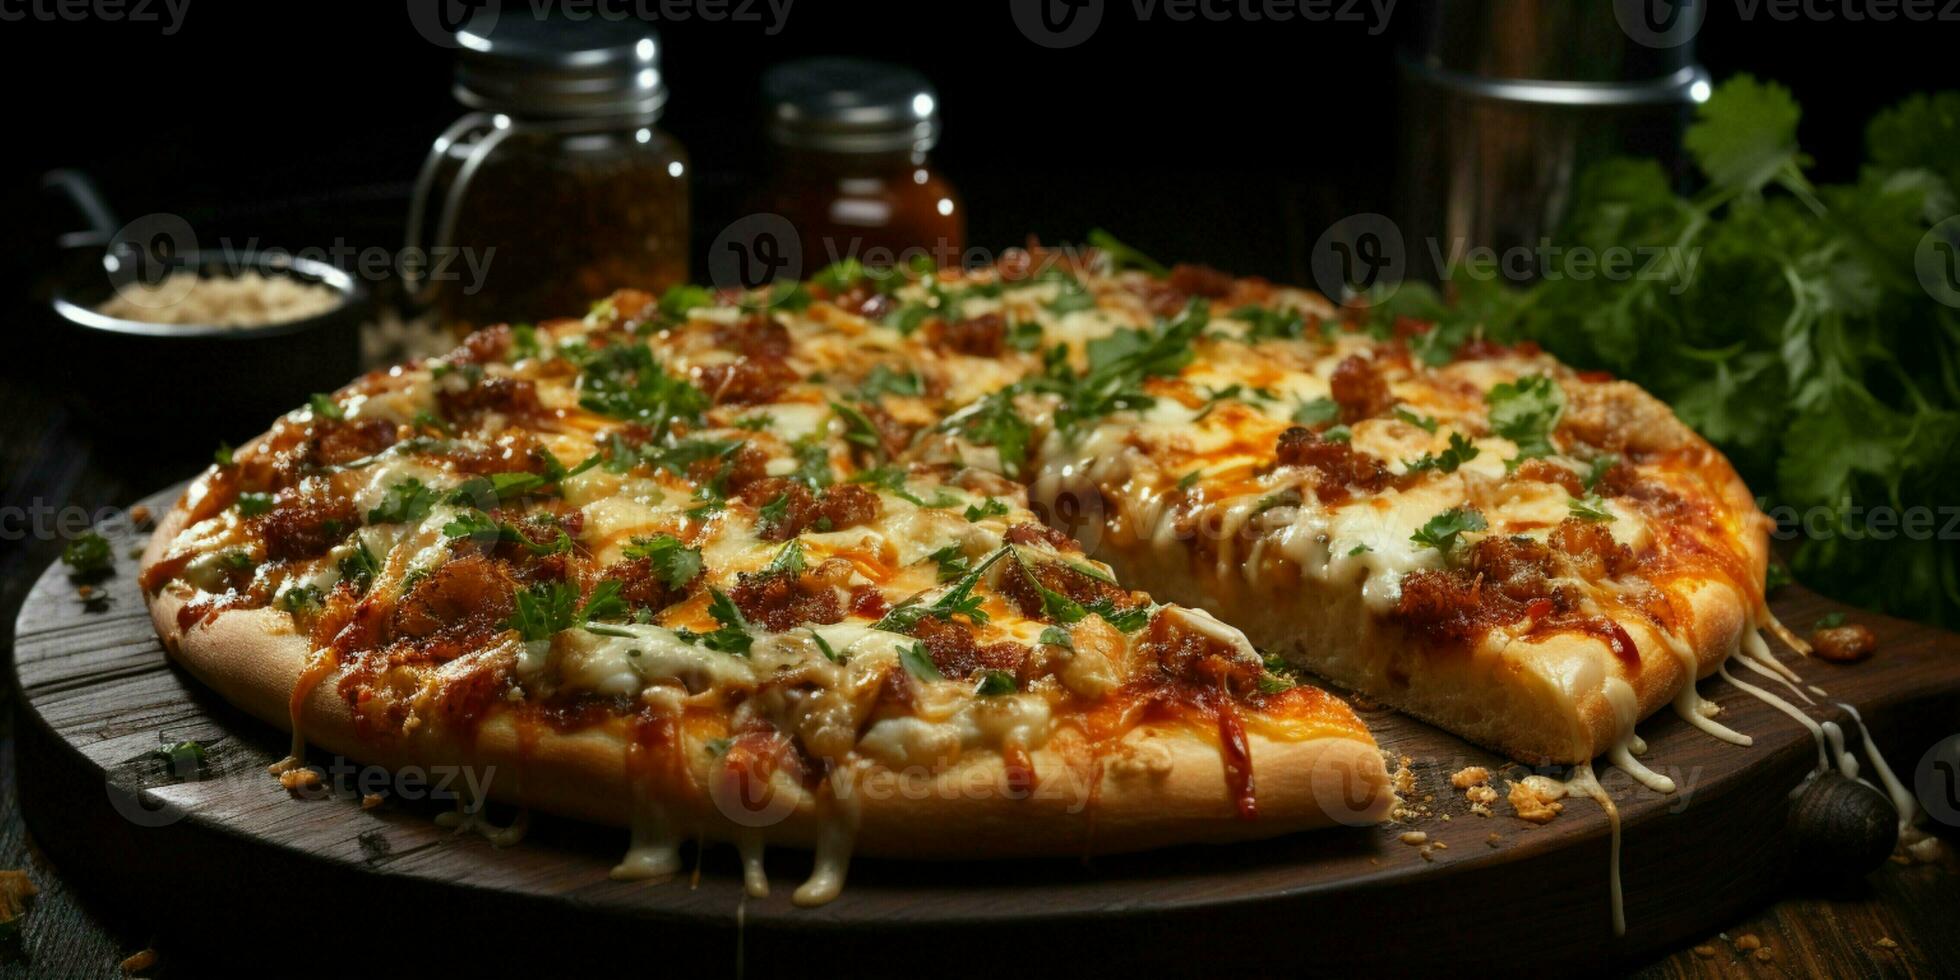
x: 1229, y: 142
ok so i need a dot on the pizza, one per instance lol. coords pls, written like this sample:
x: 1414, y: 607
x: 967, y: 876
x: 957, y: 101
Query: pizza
x: 1014, y: 560
x: 673, y: 567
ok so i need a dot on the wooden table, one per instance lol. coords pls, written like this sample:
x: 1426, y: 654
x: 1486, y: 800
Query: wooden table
x: 1899, y: 921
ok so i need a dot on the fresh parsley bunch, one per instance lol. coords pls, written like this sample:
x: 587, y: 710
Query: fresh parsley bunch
x: 1785, y: 322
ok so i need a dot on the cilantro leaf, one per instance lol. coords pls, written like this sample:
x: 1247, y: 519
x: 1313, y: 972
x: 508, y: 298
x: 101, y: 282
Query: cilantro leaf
x: 673, y: 563
x: 1441, y: 532
x: 1525, y: 412
x: 406, y: 502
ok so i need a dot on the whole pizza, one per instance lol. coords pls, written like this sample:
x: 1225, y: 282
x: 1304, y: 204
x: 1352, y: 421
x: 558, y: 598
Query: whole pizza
x: 1016, y: 560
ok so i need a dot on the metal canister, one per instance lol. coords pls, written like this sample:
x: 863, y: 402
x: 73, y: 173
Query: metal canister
x: 1506, y: 102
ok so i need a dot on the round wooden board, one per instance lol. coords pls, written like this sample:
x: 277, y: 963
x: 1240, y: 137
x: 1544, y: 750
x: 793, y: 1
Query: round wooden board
x: 283, y: 876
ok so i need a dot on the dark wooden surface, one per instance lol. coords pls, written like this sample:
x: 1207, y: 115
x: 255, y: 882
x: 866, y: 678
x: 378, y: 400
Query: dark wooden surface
x: 98, y: 682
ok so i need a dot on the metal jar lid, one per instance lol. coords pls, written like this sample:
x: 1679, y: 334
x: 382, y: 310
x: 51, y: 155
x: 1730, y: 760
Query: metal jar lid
x: 557, y: 67
x: 847, y: 105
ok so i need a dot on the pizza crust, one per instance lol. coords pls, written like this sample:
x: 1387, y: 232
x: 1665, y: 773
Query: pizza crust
x: 1555, y: 699
x: 1156, y: 787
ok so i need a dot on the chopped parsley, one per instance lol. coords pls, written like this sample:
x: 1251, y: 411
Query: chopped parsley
x: 952, y: 562
x: 991, y: 507
x: 733, y: 636
x: 184, y: 757
x: 301, y: 597
x: 992, y: 421
x: 1055, y: 636
x: 673, y: 563
x: 994, y: 683
x: 549, y: 608
x: 1264, y: 324
x: 1423, y: 422
x: 406, y: 502
x: 1598, y: 468
x: 1460, y: 451
x: 222, y: 455
x: 823, y: 647
x: 1123, y: 256
x: 360, y: 567
x: 254, y: 504
x: 882, y: 380
x: 918, y: 662
x: 1317, y: 412
x: 858, y: 429
x: 625, y: 382
x: 325, y: 407
x: 1442, y: 531
x: 1591, y: 507
x: 88, y: 556
x: 1831, y: 620
x: 1526, y: 412
x: 891, y: 479
x: 788, y: 561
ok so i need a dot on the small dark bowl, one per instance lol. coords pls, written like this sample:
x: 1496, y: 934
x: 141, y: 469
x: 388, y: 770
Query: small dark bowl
x: 151, y: 383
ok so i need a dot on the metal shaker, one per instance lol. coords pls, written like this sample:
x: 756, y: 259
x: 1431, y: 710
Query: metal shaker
x: 1506, y: 102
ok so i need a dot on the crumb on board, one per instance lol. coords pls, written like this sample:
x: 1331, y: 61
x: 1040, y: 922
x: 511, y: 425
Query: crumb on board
x: 1843, y: 644
x: 1405, y: 778
x: 1748, y: 941
x: 15, y: 888
x: 139, y: 961
x: 85, y: 592
x: 299, y: 778
x: 1705, y: 951
x: 139, y: 516
x: 1413, y: 837
x: 1763, y: 955
x: 371, y: 800
x: 1494, y: 839
x: 1469, y: 776
x: 1886, y: 942
x: 1533, y: 805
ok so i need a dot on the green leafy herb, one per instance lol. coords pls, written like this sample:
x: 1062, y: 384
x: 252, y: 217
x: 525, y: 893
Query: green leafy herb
x: 1123, y: 256
x: 1591, y: 507
x: 88, y: 556
x: 406, y: 502
x: 222, y: 455
x: 673, y: 563
x: 918, y: 662
x: 360, y: 567
x: 325, y: 407
x: 1598, y: 468
x: 1525, y: 412
x: 882, y: 380
x: 1460, y: 451
x: 624, y: 382
x: 1831, y: 620
x: 1320, y: 411
x: 991, y: 507
x: 184, y: 757
x: 992, y: 421
x: 1071, y: 297
x: 254, y: 504
x: 952, y: 562
x: 302, y: 597
x: 789, y: 560
x: 994, y: 683
x: 1055, y: 636
x: 1441, y: 531
x: 858, y: 429
x: 1338, y: 433
x: 1423, y: 422
x: 1189, y: 480
x: 1267, y: 324
x: 823, y: 647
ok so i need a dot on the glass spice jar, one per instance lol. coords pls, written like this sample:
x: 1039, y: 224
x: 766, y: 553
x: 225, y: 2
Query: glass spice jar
x: 850, y: 169
x: 558, y: 187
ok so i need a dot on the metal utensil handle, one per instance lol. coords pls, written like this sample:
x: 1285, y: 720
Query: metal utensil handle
x: 417, y: 287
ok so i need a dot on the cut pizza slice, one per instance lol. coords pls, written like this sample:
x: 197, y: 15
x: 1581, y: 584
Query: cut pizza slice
x: 1532, y: 558
x: 644, y: 570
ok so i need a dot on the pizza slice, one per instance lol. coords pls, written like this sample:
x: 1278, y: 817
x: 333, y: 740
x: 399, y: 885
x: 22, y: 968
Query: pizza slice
x: 674, y: 566
x: 1530, y: 557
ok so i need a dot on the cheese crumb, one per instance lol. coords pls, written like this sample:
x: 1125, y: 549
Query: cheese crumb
x: 1469, y: 776
x: 371, y: 800
x: 1531, y: 805
x: 1886, y: 942
x: 1748, y: 941
x: 1705, y: 951
x: 139, y: 961
x: 1414, y: 837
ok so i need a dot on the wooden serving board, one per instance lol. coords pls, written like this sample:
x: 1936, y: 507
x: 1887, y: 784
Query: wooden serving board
x: 227, y: 859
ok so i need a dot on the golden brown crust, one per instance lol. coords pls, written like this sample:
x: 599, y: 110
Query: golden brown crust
x: 1541, y: 699
x: 1154, y: 787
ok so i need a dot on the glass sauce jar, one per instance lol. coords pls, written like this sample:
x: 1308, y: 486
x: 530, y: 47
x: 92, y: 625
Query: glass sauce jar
x: 849, y: 167
x: 558, y: 187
